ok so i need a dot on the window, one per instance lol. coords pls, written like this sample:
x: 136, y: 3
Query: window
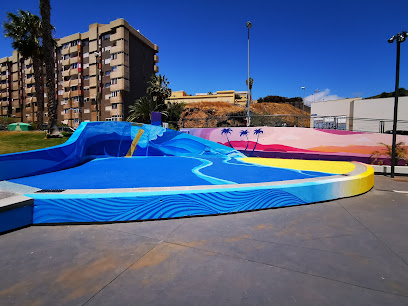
x: 115, y: 93
x: 85, y: 42
x: 87, y: 110
x: 77, y: 120
x: 114, y: 106
x: 114, y: 56
x: 107, y: 72
x: 85, y: 55
x: 73, y: 88
x: 74, y: 43
x: 86, y: 77
x: 114, y: 68
x: 107, y: 85
x: 66, y: 111
x: 66, y: 56
x: 74, y: 66
x: 86, y: 65
x: 76, y: 99
x: 66, y: 45
x: 76, y: 110
x: 114, y: 81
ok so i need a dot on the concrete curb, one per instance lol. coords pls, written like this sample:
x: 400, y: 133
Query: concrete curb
x: 16, y: 212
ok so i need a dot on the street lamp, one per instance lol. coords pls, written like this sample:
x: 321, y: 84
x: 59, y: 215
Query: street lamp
x: 400, y: 37
x: 249, y: 25
x: 303, y: 106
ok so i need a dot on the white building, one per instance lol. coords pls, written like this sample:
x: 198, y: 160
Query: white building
x: 357, y: 114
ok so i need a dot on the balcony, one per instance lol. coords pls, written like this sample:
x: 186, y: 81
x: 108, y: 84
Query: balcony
x: 3, y: 68
x: 120, y: 47
x: 67, y: 115
x: 121, y: 85
x: 65, y: 62
x: 120, y: 33
x: 3, y: 86
x: 156, y: 69
x: 75, y: 104
x: 117, y: 99
x: 120, y: 60
x: 14, y: 77
x: 66, y: 84
x: 92, y: 70
x: 73, y: 71
x: 66, y: 73
x: 76, y: 115
x: 29, y: 70
x: 92, y: 81
x: 14, y: 95
x: 30, y: 80
x: 156, y: 58
x: 31, y: 99
x: 117, y: 111
x: 121, y: 72
x: 74, y: 82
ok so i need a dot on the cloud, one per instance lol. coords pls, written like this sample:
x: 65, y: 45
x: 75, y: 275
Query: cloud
x: 323, y: 95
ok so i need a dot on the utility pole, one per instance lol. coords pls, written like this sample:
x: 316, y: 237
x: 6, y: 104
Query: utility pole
x: 400, y: 37
x: 249, y: 25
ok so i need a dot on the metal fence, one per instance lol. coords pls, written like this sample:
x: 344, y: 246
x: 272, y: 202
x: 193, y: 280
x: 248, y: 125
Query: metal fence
x: 372, y: 125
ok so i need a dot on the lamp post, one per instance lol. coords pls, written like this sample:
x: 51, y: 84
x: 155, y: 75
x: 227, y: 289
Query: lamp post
x: 400, y: 37
x: 303, y: 106
x: 249, y: 25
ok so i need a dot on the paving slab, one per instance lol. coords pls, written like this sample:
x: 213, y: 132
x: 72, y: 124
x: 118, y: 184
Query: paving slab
x: 344, y: 252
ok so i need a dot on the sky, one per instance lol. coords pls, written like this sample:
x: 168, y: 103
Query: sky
x: 336, y: 49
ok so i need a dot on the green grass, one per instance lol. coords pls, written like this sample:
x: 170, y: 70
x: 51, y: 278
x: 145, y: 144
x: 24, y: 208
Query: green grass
x: 11, y: 142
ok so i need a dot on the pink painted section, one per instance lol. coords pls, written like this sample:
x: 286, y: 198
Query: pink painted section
x: 294, y: 142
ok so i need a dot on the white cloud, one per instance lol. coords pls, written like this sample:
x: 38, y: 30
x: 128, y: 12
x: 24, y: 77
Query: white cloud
x: 323, y: 95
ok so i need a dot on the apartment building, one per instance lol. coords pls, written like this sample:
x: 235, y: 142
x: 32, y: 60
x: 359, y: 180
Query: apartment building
x: 99, y: 73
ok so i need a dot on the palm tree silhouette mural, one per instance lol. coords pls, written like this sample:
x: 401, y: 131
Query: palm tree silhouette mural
x: 245, y: 132
x: 227, y: 131
x: 256, y: 132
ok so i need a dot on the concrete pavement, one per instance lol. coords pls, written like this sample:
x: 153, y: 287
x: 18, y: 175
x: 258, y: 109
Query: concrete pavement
x: 351, y: 251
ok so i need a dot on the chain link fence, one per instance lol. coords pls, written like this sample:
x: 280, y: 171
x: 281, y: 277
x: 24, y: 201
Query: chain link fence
x: 344, y: 123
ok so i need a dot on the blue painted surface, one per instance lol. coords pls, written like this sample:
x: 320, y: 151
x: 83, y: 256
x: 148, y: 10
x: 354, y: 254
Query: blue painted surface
x: 16, y: 218
x: 156, y: 207
x: 107, y: 139
x: 159, y: 171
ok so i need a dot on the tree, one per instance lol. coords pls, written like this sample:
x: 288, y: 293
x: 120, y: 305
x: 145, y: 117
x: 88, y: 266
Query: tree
x: 257, y: 132
x: 245, y: 132
x: 48, y: 52
x: 25, y: 31
x: 227, y: 131
x: 174, y: 111
x: 401, y: 153
x: 158, y: 90
x: 141, y: 110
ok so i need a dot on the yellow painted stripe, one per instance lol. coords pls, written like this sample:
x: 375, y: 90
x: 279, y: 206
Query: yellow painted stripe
x: 335, y: 167
x: 132, y: 148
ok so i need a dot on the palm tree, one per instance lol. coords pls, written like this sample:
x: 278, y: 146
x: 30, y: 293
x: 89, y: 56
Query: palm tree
x: 158, y: 89
x: 48, y: 52
x: 141, y: 110
x: 245, y: 132
x: 227, y: 131
x: 25, y: 31
x: 256, y: 132
x: 401, y: 153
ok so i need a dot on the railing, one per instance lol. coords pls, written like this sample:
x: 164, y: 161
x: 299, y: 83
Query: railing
x: 372, y: 125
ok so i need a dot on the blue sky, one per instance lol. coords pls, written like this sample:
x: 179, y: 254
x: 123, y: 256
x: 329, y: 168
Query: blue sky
x: 338, y: 47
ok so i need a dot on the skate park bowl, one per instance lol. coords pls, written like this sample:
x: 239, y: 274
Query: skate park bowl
x: 119, y: 171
